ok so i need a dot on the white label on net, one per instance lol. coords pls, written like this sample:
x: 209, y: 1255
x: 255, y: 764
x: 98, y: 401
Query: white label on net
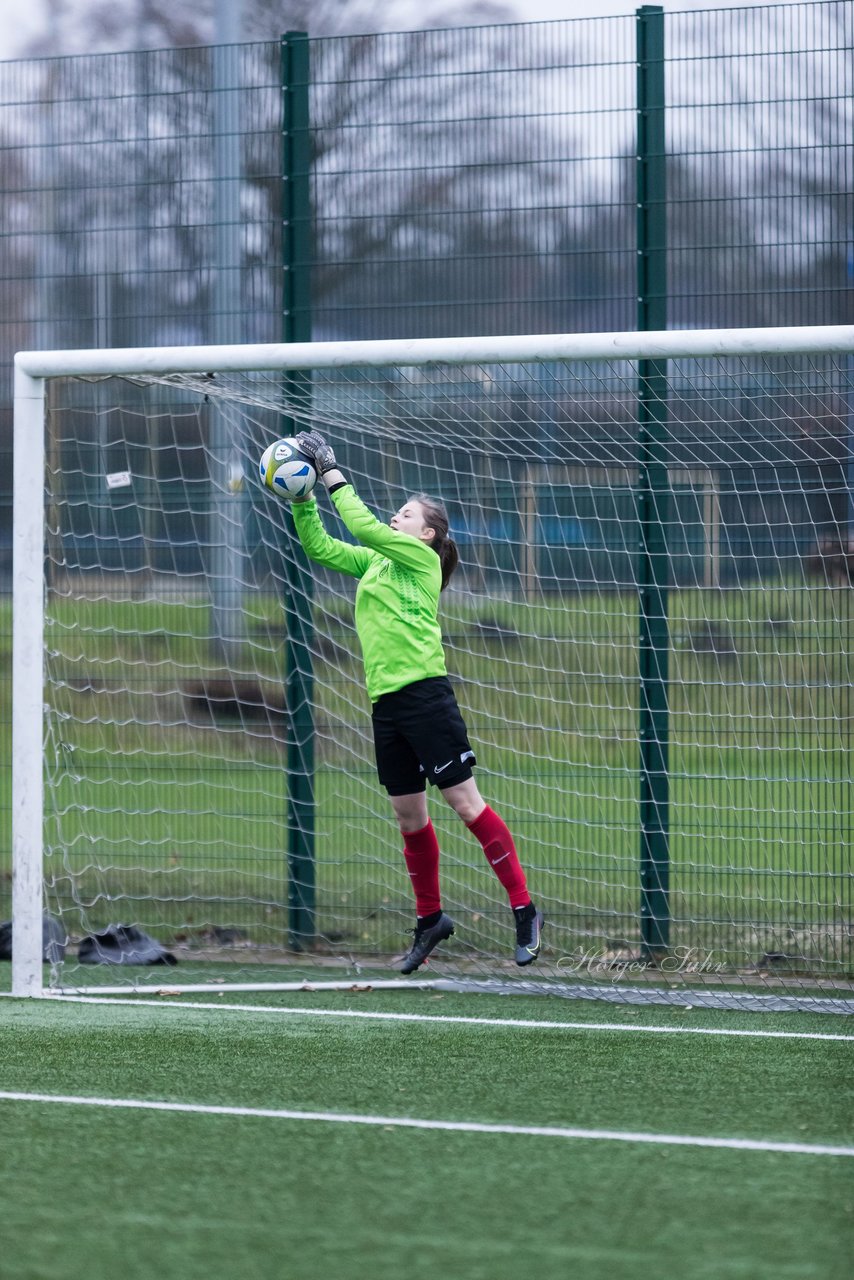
x: 118, y: 479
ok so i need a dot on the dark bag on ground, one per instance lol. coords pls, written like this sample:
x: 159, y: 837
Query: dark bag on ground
x: 123, y: 944
x: 53, y: 939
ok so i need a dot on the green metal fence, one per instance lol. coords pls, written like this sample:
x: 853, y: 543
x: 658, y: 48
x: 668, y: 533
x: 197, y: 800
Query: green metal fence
x: 462, y: 181
x: 478, y: 180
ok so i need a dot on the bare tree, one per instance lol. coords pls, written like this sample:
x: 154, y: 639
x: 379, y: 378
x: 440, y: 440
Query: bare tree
x: 443, y: 199
x: 425, y: 189
x: 760, y: 208
x: 98, y: 25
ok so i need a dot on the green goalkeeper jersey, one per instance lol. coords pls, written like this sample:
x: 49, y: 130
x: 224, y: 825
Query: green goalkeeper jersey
x: 397, y: 599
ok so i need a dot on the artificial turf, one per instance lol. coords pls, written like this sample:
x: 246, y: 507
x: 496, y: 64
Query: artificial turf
x: 89, y: 1192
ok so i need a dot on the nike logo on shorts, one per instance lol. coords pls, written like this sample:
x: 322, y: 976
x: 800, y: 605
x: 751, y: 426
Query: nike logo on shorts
x: 439, y: 768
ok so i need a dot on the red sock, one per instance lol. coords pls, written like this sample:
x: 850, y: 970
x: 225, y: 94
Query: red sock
x: 501, y: 855
x: 421, y: 851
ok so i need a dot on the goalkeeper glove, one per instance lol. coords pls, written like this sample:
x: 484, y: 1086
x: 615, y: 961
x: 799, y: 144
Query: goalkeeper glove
x: 315, y: 447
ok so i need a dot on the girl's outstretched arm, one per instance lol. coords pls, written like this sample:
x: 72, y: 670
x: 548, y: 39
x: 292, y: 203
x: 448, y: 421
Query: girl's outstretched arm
x: 400, y: 547
x: 359, y: 519
x: 324, y: 549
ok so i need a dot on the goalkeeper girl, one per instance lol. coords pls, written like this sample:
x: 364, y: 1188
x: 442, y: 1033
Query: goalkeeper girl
x: 419, y: 733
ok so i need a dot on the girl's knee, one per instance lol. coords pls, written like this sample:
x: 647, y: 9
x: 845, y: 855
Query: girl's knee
x: 410, y: 811
x: 465, y: 800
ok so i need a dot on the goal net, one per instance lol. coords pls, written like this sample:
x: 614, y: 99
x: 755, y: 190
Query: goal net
x: 649, y: 634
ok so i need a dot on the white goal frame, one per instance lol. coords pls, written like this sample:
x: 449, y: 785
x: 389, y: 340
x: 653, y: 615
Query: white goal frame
x: 32, y: 368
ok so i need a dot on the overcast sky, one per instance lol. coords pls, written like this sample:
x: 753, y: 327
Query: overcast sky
x: 20, y: 22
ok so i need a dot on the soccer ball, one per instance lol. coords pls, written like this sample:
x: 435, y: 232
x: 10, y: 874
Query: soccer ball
x: 286, y: 470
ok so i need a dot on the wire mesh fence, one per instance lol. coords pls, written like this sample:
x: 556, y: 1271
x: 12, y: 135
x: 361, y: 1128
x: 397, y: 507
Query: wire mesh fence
x: 474, y: 180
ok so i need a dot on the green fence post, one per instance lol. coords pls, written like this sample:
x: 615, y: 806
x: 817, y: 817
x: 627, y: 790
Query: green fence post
x: 653, y: 490
x: 296, y: 327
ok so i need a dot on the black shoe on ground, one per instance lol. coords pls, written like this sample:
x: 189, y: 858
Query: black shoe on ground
x: 429, y: 932
x: 529, y: 925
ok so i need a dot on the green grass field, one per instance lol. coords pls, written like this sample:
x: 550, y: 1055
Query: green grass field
x: 92, y: 1191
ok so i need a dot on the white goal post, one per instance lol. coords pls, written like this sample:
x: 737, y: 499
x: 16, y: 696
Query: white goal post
x: 637, y: 360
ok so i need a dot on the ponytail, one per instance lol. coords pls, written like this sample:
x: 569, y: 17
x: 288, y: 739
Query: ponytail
x: 436, y: 517
x: 449, y: 558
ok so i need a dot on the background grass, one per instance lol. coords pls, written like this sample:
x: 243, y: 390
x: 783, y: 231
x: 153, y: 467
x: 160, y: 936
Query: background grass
x: 180, y: 824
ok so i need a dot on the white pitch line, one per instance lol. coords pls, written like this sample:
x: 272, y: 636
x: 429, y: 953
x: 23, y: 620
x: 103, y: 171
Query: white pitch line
x: 167, y: 1002
x: 446, y: 1126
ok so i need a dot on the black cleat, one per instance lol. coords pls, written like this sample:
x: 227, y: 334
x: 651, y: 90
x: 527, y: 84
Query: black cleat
x: 427, y: 936
x: 529, y: 925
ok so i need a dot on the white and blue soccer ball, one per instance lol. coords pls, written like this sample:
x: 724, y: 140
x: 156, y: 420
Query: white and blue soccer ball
x: 286, y: 470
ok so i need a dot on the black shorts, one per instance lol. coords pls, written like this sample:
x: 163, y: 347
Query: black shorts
x: 419, y: 734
